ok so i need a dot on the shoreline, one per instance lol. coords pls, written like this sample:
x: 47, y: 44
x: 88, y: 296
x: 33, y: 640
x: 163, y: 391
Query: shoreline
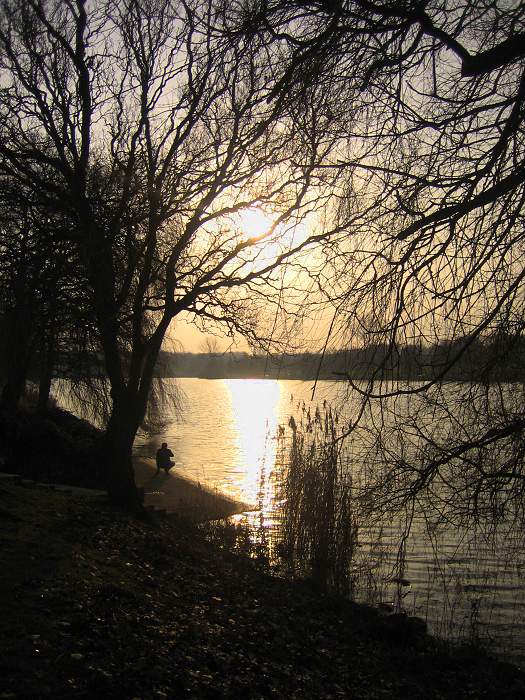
x: 177, y: 494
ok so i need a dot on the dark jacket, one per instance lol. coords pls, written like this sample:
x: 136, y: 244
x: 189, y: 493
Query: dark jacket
x: 163, y: 457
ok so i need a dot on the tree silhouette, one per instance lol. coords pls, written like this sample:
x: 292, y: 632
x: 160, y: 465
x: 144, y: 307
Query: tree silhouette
x: 427, y: 99
x: 155, y: 127
x: 40, y: 301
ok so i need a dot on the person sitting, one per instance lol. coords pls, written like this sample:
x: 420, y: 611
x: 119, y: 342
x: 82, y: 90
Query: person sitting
x: 164, y: 455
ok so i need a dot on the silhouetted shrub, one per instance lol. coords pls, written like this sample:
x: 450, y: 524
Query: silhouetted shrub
x: 52, y: 447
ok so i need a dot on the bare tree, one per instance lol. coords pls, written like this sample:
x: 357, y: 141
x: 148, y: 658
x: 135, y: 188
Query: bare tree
x: 18, y: 301
x: 157, y: 128
x: 428, y: 101
x: 210, y: 346
x: 37, y: 296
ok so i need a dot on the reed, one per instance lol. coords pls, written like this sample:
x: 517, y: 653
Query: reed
x: 317, y: 524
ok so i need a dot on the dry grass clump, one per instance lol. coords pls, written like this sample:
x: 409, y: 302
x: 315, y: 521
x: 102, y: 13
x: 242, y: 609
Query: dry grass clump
x: 317, y: 533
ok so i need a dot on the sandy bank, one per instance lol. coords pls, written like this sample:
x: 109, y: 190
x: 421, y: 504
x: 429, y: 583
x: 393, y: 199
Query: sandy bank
x: 178, y: 494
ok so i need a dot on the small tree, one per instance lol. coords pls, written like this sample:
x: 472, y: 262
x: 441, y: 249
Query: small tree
x: 17, y: 272
x: 35, y: 296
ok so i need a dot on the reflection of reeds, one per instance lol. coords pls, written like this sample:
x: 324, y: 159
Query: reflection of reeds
x: 318, y: 528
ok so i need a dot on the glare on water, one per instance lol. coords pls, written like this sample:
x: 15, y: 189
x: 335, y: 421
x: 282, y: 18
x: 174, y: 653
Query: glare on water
x: 226, y: 432
x: 226, y: 438
x: 255, y: 412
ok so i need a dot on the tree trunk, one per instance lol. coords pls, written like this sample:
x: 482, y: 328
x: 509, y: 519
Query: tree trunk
x: 117, y: 455
x: 12, y: 393
x: 17, y: 354
x: 47, y: 361
x: 44, y: 390
x: 48, y: 353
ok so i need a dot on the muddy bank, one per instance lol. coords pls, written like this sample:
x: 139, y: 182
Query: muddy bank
x: 176, y: 494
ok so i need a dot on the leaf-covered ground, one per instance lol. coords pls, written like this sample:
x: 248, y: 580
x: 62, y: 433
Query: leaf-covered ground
x: 96, y: 605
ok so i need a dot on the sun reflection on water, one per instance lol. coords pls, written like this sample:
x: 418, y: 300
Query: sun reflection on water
x: 254, y: 407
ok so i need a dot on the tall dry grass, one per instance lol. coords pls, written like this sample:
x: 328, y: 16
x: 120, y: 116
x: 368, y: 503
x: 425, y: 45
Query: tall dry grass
x: 317, y: 522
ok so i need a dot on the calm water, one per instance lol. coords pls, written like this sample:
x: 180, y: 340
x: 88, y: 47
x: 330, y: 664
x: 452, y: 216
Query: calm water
x: 225, y: 432
x: 466, y: 585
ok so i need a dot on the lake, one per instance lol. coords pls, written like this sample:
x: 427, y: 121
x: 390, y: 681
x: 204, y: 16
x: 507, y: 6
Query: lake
x: 467, y: 584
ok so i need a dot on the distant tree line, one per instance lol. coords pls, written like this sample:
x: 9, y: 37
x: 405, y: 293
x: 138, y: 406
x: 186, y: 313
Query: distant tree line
x: 499, y: 359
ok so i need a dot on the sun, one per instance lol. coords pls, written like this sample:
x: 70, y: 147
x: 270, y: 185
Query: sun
x: 273, y: 237
x: 255, y: 223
